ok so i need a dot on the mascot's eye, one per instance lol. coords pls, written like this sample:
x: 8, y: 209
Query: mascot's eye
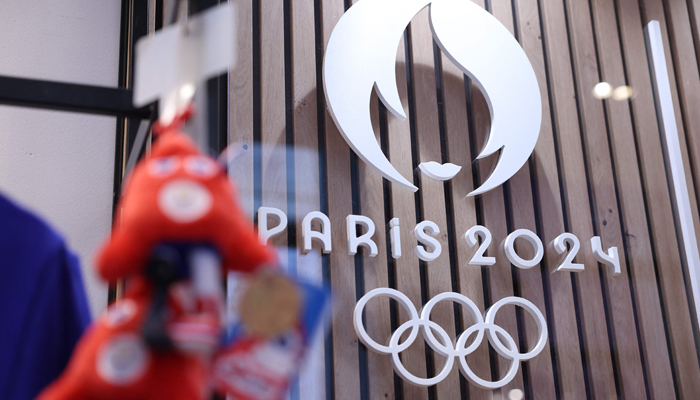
x: 201, y: 167
x: 162, y: 167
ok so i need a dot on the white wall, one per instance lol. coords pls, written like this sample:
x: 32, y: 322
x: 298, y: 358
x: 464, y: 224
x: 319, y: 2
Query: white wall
x: 60, y: 165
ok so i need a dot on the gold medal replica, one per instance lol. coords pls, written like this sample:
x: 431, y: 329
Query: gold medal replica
x: 270, y: 305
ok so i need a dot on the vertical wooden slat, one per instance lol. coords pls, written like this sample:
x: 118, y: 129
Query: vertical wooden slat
x: 659, y: 209
x: 432, y: 191
x: 273, y: 133
x: 636, y: 233
x: 564, y: 118
x: 606, y: 214
x: 464, y: 213
x: 346, y: 368
x: 380, y: 371
x: 403, y: 207
x: 273, y: 140
x: 306, y: 169
x: 166, y: 9
x: 694, y: 11
x: 151, y: 16
x: 241, y: 107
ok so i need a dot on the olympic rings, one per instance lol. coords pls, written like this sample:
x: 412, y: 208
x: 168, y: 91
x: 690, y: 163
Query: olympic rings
x: 443, y: 344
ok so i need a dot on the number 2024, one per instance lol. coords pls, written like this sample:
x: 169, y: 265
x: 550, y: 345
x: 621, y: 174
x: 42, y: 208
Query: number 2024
x: 610, y: 259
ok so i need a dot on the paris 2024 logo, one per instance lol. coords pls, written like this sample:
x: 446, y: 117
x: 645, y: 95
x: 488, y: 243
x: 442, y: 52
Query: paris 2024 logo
x: 361, y: 56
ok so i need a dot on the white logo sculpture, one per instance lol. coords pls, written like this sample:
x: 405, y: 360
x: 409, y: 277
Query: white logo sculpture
x: 444, y: 345
x: 361, y: 55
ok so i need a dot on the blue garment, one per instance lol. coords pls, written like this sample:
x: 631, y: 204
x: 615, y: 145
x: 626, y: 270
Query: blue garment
x: 43, y: 308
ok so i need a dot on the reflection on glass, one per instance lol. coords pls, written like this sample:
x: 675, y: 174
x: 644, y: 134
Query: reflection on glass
x: 516, y: 394
x: 622, y: 93
x: 603, y: 90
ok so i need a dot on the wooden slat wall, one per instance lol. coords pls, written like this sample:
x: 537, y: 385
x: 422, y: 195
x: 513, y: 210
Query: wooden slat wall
x: 605, y: 213
x: 598, y: 169
x: 636, y: 237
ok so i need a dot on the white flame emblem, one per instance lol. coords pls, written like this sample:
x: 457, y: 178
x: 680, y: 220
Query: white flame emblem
x: 361, y: 55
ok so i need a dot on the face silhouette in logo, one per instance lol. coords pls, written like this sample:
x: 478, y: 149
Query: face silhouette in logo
x: 361, y: 56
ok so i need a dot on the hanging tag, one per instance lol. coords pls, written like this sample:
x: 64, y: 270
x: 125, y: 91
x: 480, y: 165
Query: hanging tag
x: 172, y: 62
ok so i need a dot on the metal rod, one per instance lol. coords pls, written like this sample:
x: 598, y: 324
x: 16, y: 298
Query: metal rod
x: 674, y: 158
x: 69, y: 97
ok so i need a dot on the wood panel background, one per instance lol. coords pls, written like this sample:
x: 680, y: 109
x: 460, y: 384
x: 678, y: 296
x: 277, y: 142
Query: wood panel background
x: 598, y: 169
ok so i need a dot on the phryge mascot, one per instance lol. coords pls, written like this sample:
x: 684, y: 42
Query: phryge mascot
x: 178, y: 229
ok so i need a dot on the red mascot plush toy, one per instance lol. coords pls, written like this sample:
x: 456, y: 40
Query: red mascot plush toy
x: 178, y: 229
